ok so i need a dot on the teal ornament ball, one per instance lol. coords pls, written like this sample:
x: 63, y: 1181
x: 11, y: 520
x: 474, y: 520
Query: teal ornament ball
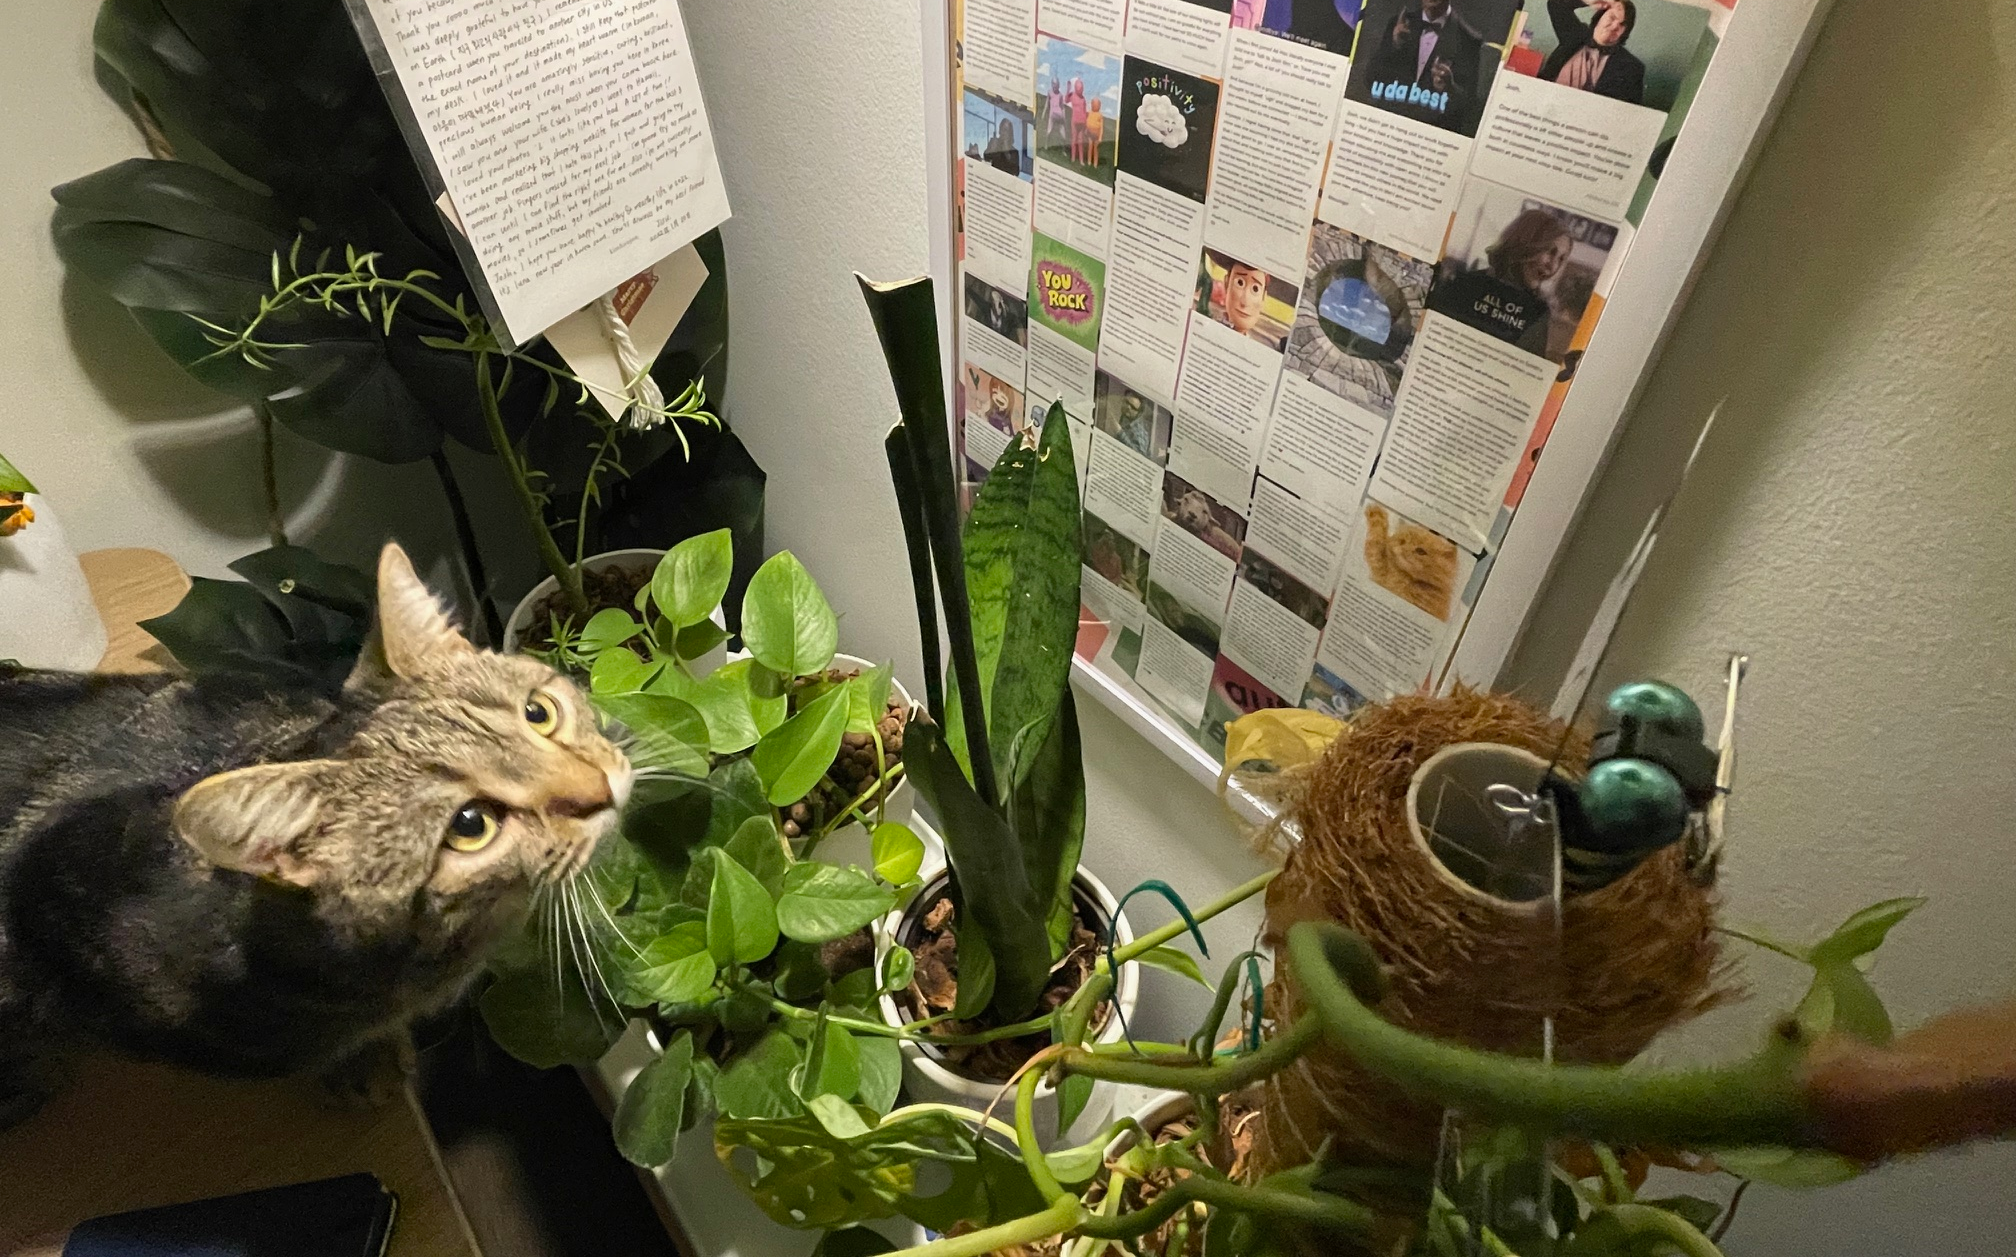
x: 1632, y: 805
x: 1657, y: 705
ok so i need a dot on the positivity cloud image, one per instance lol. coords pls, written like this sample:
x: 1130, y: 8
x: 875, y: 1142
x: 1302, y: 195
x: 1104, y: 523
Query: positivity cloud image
x: 1160, y: 120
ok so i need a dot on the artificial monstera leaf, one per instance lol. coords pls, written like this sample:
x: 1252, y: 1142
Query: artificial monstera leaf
x: 191, y: 252
x: 299, y: 619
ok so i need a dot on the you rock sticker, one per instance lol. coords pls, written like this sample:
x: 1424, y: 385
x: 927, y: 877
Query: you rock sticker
x: 1067, y: 290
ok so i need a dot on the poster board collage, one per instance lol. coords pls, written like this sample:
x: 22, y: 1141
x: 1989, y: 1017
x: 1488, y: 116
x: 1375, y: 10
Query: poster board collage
x: 1312, y: 279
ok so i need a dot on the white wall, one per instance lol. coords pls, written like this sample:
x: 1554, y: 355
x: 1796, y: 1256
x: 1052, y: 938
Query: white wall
x: 1851, y: 526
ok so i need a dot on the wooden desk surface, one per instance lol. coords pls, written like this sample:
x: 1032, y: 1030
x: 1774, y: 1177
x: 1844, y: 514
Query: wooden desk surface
x: 129, y: 1135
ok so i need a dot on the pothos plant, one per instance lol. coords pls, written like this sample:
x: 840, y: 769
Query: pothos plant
x: 1783, y: 1116
x: 709, y: 919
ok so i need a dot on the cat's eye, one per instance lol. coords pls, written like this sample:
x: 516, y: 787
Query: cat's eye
x: 542, y: 713
x: 473, y: 826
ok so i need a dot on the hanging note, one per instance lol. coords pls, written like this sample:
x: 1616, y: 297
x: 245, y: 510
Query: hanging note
x: 569, y: 140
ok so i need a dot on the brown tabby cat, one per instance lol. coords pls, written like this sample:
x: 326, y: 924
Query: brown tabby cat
x: 245, y: 881
x: 1417, y: 563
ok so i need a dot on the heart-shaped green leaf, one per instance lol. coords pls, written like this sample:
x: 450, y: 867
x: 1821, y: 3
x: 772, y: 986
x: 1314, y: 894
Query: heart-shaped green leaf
x: 898, y: 853
x: 899, y: 967
x: 758, y: 847
x: 791, y: 758
x: 654, y: 1106
x: 608, y: 627
x: 757, y: 1084
x: 674, y: 968
x: 881, y: 1072
x: 620, y: 672
x: 727, y: 701
x: 833, y: 1068
x: 786, y: 622
x: 868, y: 698
x: 696, y: 640
x: 741, y: 920
x: 541, y: 1025
x: 821, y: 902
x: 693, y: 577
x: 664, y: 732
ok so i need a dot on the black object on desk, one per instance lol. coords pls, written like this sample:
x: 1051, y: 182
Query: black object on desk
x: 335, y: 1217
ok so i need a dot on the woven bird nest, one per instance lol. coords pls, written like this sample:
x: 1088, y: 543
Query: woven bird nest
x: 1629, y: 960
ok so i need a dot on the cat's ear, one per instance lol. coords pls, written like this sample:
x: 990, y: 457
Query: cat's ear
x: 254, y: 819
x: 413, y: 631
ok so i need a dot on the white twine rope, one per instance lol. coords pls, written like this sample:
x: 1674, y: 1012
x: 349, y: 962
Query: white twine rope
x: 646, y: 398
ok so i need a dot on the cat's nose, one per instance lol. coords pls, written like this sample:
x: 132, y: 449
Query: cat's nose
x: 581, y: 807
x: 620, y: 782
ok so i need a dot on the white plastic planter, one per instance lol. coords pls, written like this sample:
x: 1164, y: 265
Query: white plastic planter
x: 47, y: 617
x: 928, y: 1080
x: 521, y: 615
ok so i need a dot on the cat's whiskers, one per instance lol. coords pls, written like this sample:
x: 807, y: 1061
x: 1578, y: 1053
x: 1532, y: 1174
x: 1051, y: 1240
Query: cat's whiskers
x: 588, y: 934
x: 595, y: 897
x: 593, y: 967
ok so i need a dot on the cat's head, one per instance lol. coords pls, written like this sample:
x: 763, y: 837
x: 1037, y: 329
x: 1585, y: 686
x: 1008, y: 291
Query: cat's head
x: 1421, y: 552
x: 470, y: 780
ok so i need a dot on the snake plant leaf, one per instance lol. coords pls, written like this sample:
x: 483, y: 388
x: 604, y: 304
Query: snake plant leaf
x: 1008, y: 912
x: 1046, y: 811
x: 905, y: 315
x: 1023, y: 558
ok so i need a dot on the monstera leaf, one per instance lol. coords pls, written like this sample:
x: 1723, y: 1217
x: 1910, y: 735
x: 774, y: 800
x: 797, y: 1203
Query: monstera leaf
x: 296, y: 619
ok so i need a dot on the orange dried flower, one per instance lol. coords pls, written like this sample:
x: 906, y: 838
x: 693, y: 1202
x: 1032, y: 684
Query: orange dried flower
x: 15, y: 513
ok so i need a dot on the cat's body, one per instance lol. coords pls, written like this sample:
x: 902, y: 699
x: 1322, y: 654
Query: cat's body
x: 250, y: 881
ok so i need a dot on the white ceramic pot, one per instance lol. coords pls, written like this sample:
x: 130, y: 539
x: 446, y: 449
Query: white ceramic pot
x: 927, y: 1079
x: 850, y: 843
x: 521, y: 615
x: 47, y: 617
